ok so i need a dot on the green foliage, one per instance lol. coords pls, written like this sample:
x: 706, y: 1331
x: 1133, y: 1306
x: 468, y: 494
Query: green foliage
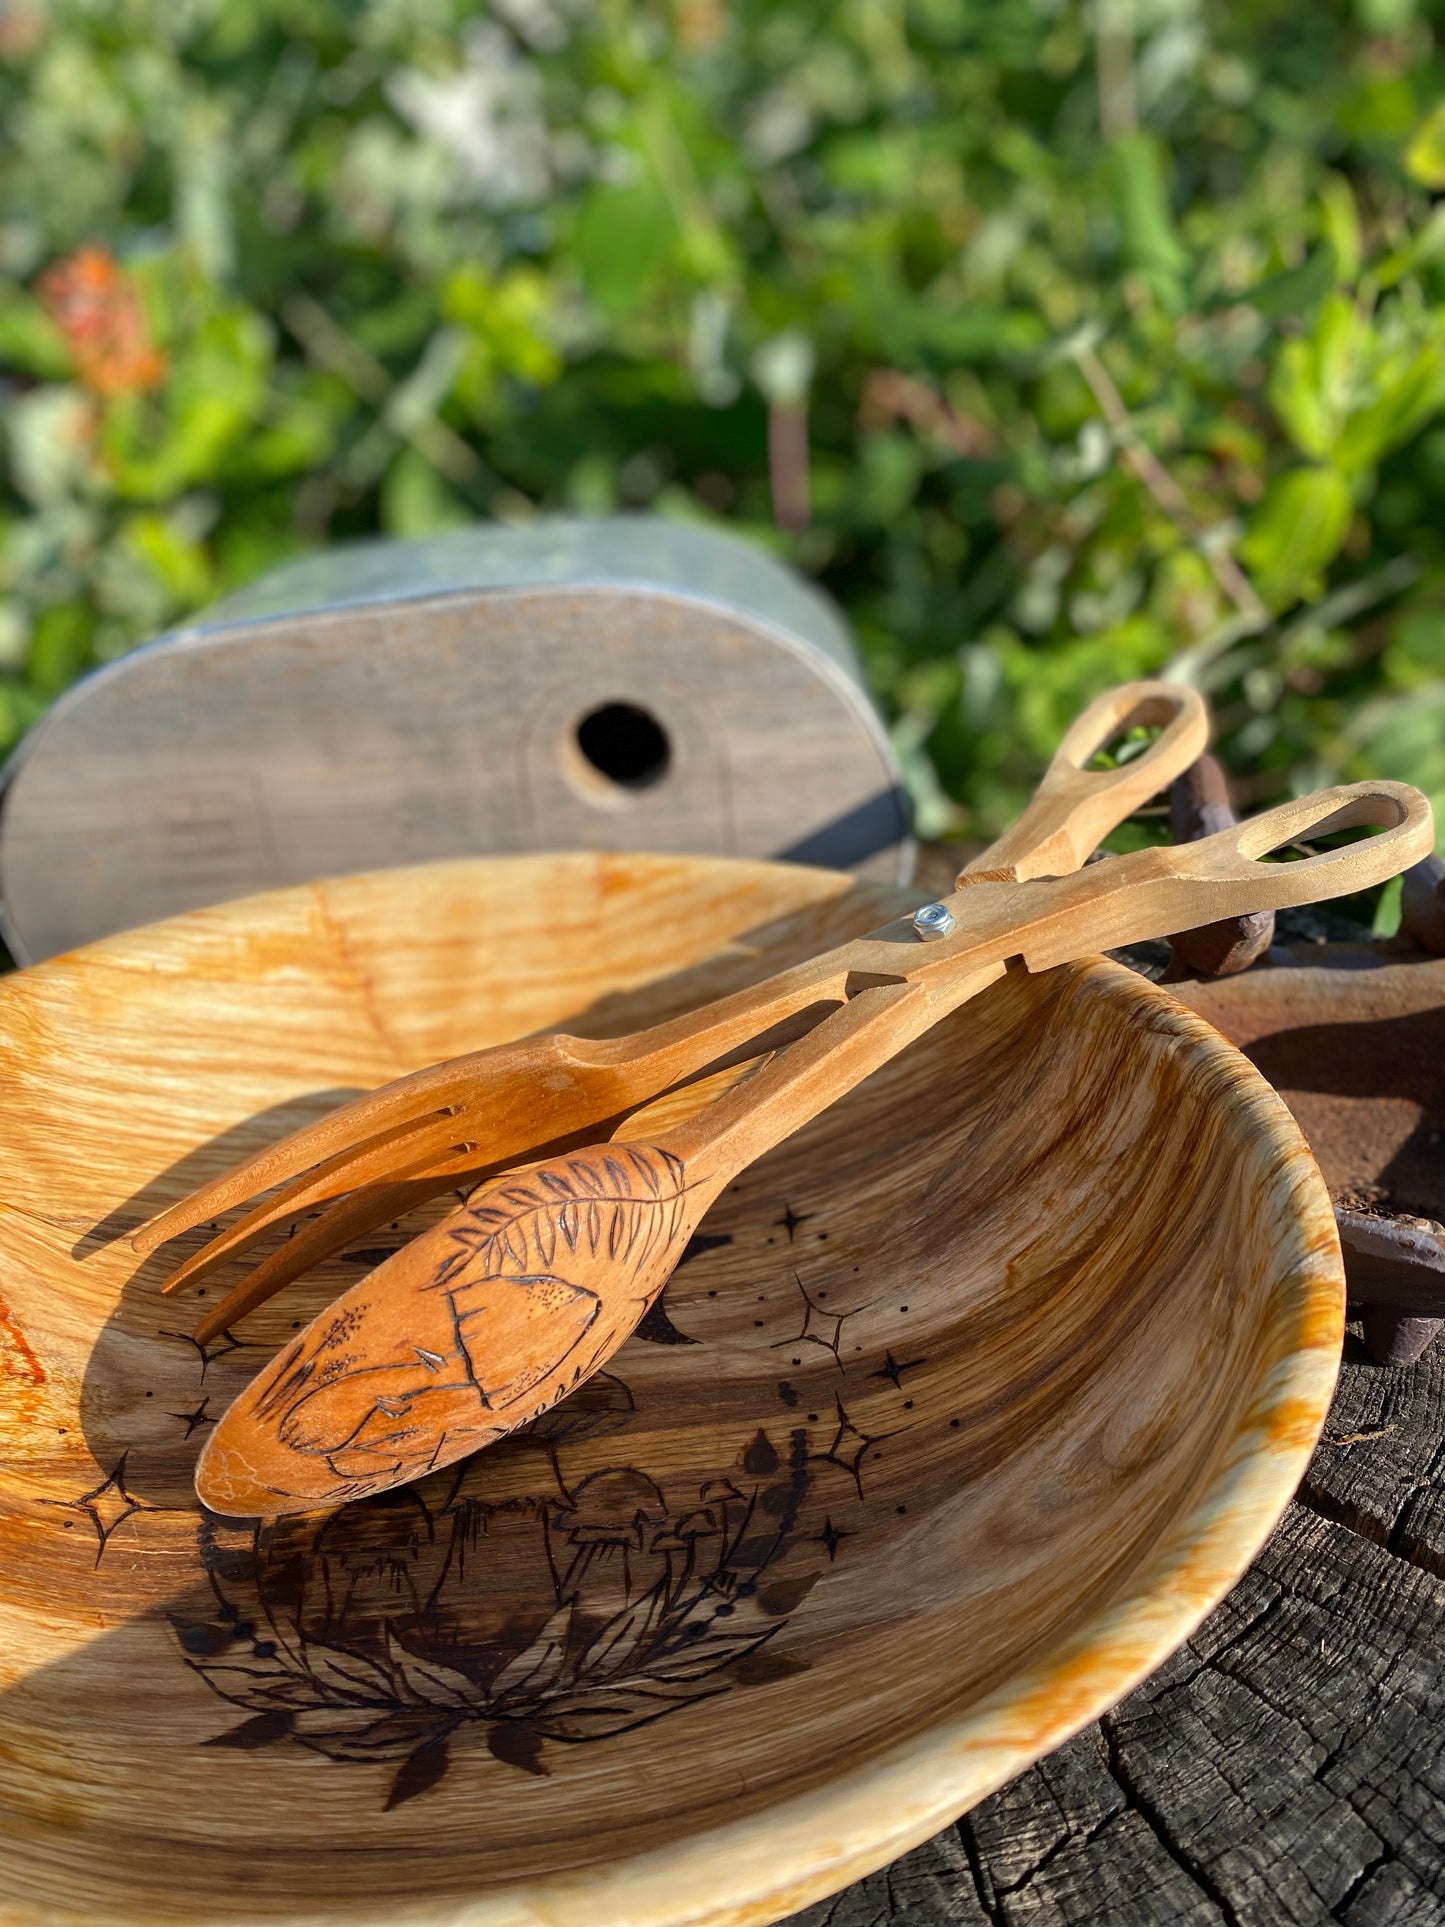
x: 1296, y: 532
x: 1117, y: 325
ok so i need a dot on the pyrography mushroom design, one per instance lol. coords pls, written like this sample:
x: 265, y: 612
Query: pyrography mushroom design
x: 578, y: 1611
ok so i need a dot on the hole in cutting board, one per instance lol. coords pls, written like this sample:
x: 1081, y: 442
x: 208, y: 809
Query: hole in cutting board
x: 622, y: 746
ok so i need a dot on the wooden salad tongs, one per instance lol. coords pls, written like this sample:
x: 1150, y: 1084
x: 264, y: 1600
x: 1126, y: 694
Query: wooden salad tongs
x: 490, y: 1317
x: 372, y: 1159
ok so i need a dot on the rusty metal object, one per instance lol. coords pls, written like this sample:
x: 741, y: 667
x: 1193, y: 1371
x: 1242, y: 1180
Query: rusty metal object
x: 1353, y: 1039
x: 1393, y: 1263
x: 1422, y: 903
x: 1198, y: 806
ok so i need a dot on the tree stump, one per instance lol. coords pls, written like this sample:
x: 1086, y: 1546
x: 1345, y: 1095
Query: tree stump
x: 1283, y: 1768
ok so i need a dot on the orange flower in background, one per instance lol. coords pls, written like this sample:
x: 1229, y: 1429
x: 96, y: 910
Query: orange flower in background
x: 96, y: 307
x: 22, y: 28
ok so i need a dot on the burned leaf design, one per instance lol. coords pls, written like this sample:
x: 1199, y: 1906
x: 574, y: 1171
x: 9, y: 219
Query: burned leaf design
x: 615, y: 1201
x: 418, y: 1773
x: 382, y: 1632
x: 657, y: 1327
x: 758, y: 1668
x: 515, y: 1743
x: 259, y: 1730
x: 362, y: 1736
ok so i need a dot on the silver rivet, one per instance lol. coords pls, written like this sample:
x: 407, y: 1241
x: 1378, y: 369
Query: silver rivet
x: 934, y: 920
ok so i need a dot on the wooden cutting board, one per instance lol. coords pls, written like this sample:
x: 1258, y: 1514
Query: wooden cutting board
x: 628, y: 683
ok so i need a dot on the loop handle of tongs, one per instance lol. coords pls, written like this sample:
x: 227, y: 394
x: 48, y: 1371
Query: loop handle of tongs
x: 1397, y: 812
x: 1074, y: 807
x: 1155, y: 892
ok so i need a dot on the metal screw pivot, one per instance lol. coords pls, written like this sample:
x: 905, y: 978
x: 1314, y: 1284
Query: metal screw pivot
x: 934, y: 920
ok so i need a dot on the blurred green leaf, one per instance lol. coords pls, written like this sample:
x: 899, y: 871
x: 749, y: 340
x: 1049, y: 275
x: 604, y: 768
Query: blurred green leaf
x: 1414, y: 657
x: 49, y: 432
x: 1297, y: 394
x: 1380, y: 111
x: 59, y: 647
x: 1425, y: 155
x: 1386, y: 920
x: 30, y: 342
x: 887, y: 479
x: 622, y: 238
x: 174, y: 555
x: 1147, y: 232
x: 1296, y: 532
x: 1294, y: 291
x: 1340, y: 218
x: 1408, y: 390
x: 416, y: 501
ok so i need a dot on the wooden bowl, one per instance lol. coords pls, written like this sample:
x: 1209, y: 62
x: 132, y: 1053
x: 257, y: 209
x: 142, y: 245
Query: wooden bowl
x: 965, y: 1407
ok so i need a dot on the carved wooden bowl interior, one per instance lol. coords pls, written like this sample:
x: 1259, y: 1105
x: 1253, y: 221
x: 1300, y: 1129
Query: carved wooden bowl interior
x: 965, y: 1406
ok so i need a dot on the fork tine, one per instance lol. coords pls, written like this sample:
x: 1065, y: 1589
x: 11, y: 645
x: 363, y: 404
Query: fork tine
x: 510, y: 1080
x: 506, y: 1079
x: 363, y: 1209
x: 406, y: 1104
x: 348, y: 1218
x: 420, y: 1145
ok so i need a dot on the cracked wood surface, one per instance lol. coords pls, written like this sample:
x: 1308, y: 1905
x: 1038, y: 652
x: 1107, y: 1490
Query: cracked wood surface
x: 1284, y: 1767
